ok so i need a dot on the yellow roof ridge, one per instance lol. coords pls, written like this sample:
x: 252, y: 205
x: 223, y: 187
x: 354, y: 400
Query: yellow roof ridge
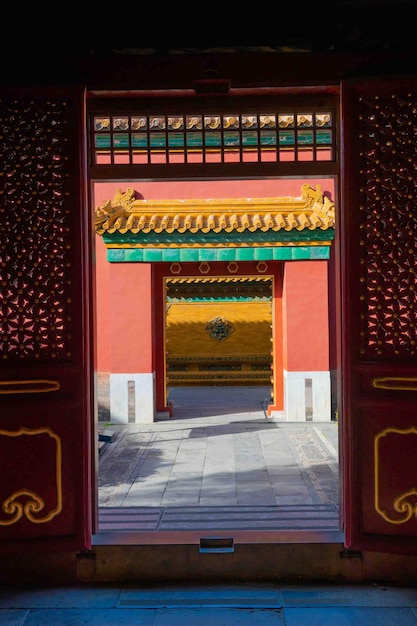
x: 127, y: 214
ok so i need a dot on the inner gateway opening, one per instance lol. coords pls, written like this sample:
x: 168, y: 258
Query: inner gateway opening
x: 177, y: 471
x: 218, y: 330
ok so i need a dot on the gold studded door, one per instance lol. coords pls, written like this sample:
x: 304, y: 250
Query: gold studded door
x: 45, y: 356
x: 379, y: 313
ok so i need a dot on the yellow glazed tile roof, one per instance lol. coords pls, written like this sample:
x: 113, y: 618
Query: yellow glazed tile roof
x: 125, y: 214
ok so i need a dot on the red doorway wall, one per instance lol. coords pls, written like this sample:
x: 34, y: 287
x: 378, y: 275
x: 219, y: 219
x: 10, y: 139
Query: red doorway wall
x: 128, y: 335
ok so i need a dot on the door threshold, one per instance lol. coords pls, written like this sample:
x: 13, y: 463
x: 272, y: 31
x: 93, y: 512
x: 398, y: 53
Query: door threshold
x: 190, y: 556
x: 129, y: 538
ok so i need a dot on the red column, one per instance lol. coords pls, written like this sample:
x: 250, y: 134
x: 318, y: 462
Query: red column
x: 277, y: 343
x: 159, y: 347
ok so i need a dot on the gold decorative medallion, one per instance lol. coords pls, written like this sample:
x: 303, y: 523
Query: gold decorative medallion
x: 27, y: 500
x: 401, y: 445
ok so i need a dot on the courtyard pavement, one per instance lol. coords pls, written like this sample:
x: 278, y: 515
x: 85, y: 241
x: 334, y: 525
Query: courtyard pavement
x: 219, y: 462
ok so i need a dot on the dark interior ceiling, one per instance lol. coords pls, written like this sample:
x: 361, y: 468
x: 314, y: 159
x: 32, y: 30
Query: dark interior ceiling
x: 49, y: 44
x: 296, y: 25
x: 340, y: 26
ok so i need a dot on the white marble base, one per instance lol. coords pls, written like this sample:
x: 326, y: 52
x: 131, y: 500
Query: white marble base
x: 276, y: 416
x: 132, y: 398
x: 307, y: 396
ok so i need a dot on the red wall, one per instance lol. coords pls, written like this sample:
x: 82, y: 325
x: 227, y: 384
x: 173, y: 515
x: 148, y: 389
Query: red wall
x: 183, y: 189
x: 124, y: 308
x: 305, y: 312
x: 131, y: 318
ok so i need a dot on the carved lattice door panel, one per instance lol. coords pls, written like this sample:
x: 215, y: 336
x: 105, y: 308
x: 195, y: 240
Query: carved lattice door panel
x: 379, y: 314
x: 45, y: 403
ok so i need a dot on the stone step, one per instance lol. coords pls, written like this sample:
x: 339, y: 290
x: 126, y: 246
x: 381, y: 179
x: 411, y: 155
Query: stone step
x: 285, y: 517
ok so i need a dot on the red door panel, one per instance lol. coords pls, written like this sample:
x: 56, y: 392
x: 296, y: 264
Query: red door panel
x: 45, y: 326
x: 379, y: 322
